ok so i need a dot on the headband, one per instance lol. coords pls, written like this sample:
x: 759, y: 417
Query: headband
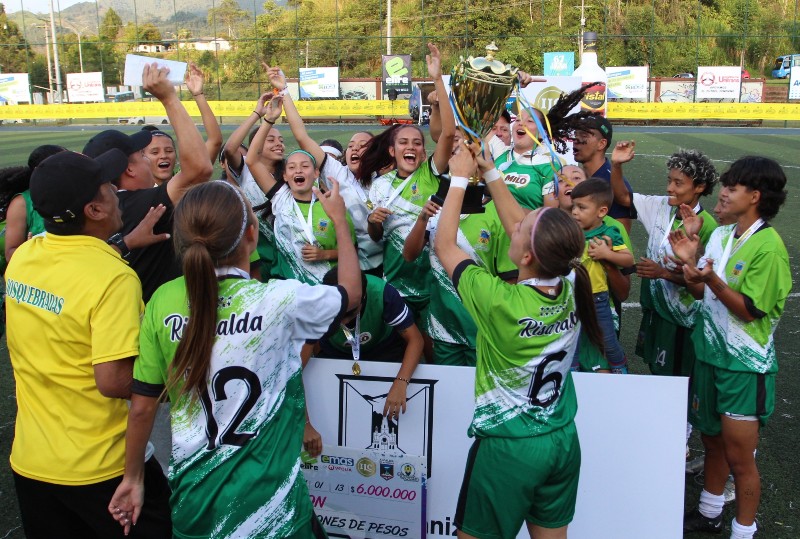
x: 331, y: 150
x: 313, y: 161
x: 533, y: 229
x: 244, y: 219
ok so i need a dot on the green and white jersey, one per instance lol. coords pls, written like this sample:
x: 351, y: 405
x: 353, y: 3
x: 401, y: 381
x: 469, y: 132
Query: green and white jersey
x: 526, y: 176
x: 405, y: 198
x: 758, y: 269
x: 525, y: 345
x: 295, y: 221
x: 480, y: 236
x: 370, y: 253
x: 266, y: 232
x: 234, y: 469
x: 671, y: 301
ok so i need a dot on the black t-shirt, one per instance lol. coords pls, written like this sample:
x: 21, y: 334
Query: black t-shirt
x: 156, y: 264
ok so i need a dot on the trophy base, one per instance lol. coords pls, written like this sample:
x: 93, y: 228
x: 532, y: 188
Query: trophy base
x: 473, y: 198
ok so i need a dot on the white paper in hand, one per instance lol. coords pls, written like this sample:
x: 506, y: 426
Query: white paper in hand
x: 134, y: 66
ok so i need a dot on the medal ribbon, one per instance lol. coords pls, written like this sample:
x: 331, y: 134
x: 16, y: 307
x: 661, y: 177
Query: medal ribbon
x: 732, y: 247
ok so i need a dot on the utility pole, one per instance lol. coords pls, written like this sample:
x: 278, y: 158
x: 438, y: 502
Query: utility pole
x: 59, y: 85
x: 389, y: 27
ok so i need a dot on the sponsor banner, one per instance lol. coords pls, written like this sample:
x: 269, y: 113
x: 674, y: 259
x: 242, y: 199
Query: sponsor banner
x: 319, y: 82
x: 347, y: 411
x: 396, y: 73
x: 14, y: 89
x: 627, y: 82
x: 366, y: 492
x: 794, y: 80
x: 559, y: 64
x: 543, y: 95
x: 719, y: 82
x: 357, y: 107
x: 85, y: 87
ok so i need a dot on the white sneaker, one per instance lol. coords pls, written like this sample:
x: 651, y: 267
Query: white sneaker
x: 695, y: 465
x: 730, y: 490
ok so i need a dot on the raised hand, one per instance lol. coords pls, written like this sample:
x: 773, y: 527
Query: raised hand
x: 434, y: 61
x: 332, y: 202
x: 623, y: 152
x: 276, y: 77
x: 273, y: 109
x: 142, y: 235
x: 261, y: 106
x: 154, y: 80
x: 463, y: 163
x: 194, y: 79
x: 684, y: 247
x: 692, y: 223
x: 430, y: 209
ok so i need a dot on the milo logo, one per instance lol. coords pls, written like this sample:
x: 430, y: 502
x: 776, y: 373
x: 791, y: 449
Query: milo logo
x: 547, y: 98
x: 595, y: 98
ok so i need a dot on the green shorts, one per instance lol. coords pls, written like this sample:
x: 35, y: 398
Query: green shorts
x: 459, y: 355
x: 419, y: 306
x: 589, y: 357
x: 714, y: 391
x: 509, y: 481
x: 667, y: 348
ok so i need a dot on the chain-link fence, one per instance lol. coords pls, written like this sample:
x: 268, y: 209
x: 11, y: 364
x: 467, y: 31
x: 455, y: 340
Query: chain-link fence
x: 229, y: 41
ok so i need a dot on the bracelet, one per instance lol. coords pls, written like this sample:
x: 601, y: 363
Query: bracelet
x: 257, y: 114
x: 201, y: 93
x: 491, y: 175
x: 268, y: 122
x: 459, y: 181
x: 406, y: 380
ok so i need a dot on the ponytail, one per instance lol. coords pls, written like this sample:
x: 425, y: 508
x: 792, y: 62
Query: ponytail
x: 584, y: 303
x: 193, y: 355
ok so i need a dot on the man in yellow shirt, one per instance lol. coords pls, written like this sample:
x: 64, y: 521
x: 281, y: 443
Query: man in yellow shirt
x: 73, y: 309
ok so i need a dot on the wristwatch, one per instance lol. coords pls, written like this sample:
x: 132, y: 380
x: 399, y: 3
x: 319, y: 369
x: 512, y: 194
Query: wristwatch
x: 118, y: 241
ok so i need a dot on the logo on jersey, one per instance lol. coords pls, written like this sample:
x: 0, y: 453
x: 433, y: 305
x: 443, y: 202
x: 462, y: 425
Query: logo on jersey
x: 535, y: 328
x: 483, y: 240
x: 233, y: 325
x: 517, y: 180
x: 737, y: 269
x: 365, y: 467
x: 415, y: 194
x: 322, y: 226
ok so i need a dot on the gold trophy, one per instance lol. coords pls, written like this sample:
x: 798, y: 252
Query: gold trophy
x: 480, y: 88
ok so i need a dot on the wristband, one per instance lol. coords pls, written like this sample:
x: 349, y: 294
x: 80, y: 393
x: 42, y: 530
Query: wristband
x: 257, y: 114
x: 406, y: 380
x: 201, y: 93
x: 268, y: 122
x: 459, y: 181
x: 491, y: 175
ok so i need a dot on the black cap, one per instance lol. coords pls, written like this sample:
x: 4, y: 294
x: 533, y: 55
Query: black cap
x: 599, y: 123
x: 105, y: 140
x: 64, y: 183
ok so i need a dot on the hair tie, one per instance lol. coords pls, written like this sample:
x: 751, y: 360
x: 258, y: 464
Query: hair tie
x: 533, y: 229
x: 313, y: 161
x: 575, y: 263
x: 244, y: 220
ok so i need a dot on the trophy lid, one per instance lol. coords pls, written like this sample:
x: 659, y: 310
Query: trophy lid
x: 489, y: 63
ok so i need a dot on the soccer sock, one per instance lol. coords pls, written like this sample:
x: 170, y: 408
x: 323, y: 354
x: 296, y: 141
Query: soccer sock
x: 742, y: 532
x: 710, y: 504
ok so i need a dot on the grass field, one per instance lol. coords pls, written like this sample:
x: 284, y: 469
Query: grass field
x: 778, y: 516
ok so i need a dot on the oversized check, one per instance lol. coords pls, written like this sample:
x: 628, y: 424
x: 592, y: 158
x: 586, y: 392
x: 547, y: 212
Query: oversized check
x: 363, y: 493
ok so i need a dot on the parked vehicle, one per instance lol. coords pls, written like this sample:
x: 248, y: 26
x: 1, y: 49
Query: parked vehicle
x: 683, y: 76
x: 141, y: 120
x: 783, y: 65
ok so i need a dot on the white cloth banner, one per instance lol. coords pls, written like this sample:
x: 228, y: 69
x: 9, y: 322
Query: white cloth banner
x: 15, y: 88
x: 719, y: 82
x: 627, y: 82
x: 85, y: 87
x: 319, y: 82
x: 632, y: 431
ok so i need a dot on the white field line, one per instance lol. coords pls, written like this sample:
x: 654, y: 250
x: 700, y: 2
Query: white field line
x: 637, y: 305
x: 717, y: 160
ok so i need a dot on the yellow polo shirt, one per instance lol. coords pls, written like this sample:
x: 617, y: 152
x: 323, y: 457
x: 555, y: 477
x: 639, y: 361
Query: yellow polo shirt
x: 71, y: 303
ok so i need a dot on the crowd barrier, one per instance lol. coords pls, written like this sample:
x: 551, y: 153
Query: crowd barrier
x: 399, y: 108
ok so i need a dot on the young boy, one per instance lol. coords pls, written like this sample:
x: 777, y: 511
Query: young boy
x: 605, y: 252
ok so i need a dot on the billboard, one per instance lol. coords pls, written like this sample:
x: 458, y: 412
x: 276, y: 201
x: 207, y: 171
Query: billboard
x: 85, y: 87
x: 396, y: 73
x: 15, y: 88
x: 719, y: 82
x: 627, y: 82
x: 559, y: 64
x: 319, y: 82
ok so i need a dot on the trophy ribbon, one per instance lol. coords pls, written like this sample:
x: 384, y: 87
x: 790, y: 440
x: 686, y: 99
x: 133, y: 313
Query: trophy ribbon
x: 355, y: 343
x: 305, y: 221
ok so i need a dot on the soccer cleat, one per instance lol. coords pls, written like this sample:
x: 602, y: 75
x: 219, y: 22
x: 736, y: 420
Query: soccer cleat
x: 694, y: 521
x: 730, y: 490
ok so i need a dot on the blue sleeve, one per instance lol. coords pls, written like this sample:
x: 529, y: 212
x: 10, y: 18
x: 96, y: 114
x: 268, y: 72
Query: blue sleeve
x: 395, y: 311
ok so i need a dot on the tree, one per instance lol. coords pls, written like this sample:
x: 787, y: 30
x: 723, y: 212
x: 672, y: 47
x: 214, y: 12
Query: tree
x: 132, y: 35
x: 229, y: 14
x: 110, y: 26
x: 13, y: 57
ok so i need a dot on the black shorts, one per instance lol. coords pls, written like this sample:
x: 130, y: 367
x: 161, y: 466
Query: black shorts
x: 49, y: 510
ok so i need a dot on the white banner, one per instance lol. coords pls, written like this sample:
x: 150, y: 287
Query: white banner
x: 368, y: 493
x: 794, y: 79
x: 719, y: 82
x: 319, y: 82
x: 630, y: 427
x: 85, y: 87
x: 15, y: 88
x: 627, y: 82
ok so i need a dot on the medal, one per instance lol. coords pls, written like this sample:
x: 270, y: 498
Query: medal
x: 355, y: 343
x: 370, y: 205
